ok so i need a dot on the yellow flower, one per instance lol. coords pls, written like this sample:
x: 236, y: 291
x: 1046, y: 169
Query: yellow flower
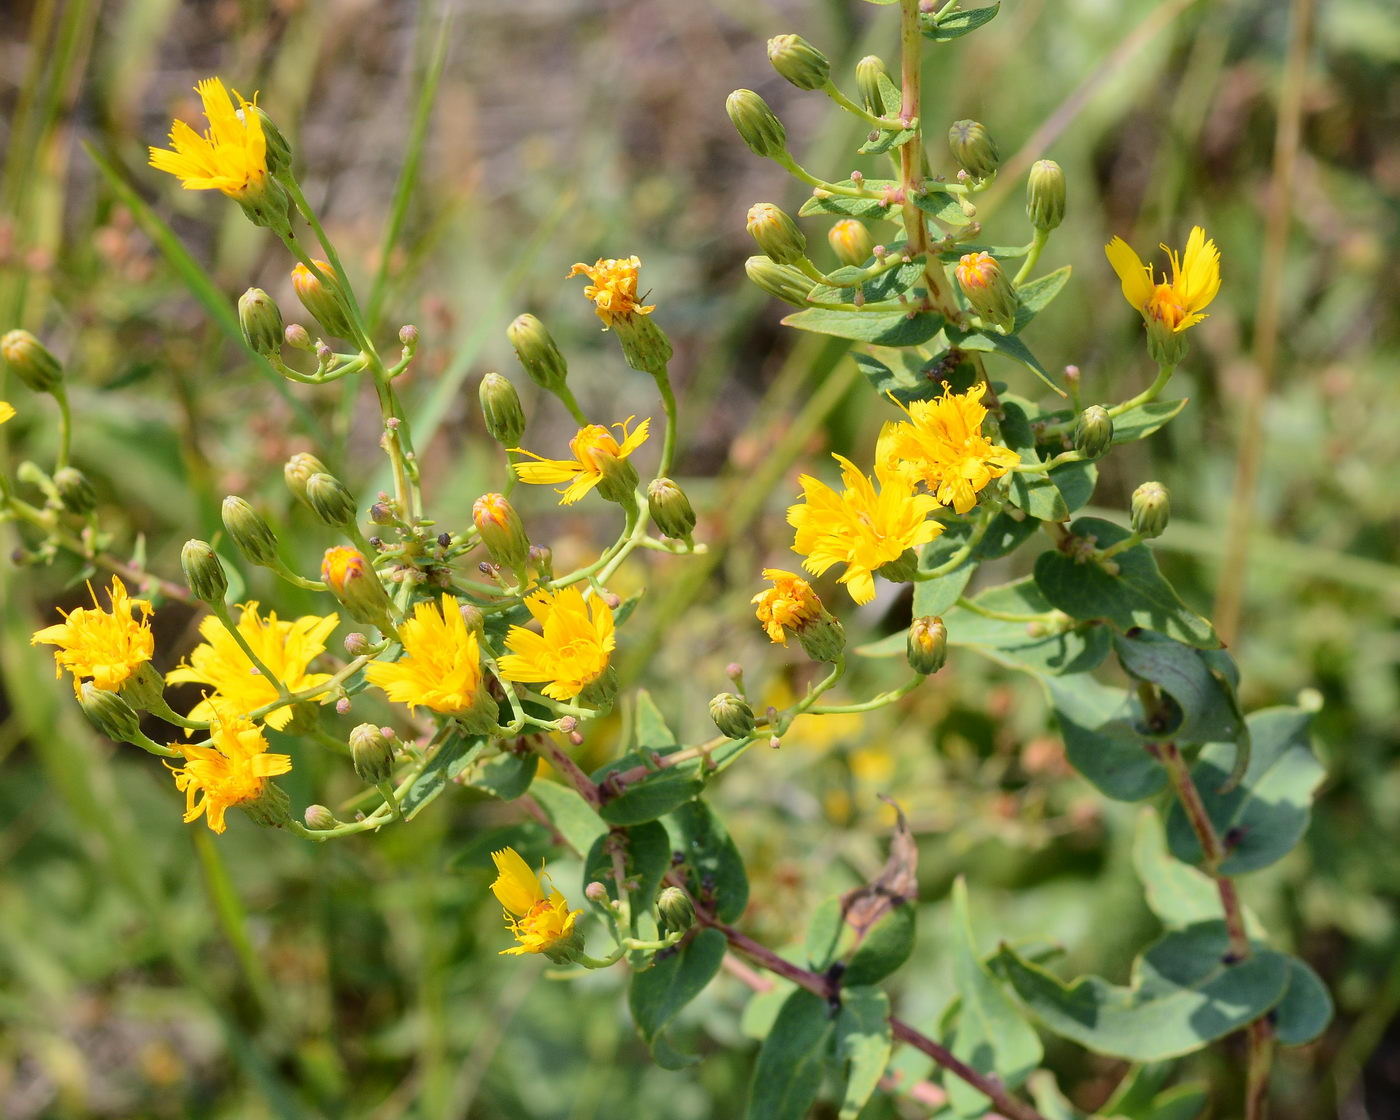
x: 1178, y: 303
x: 593, y: 444
x: 7, y: 412
x: 614, y: 288
x: 942, y: 446
x: 287, y: 648
x: 106, y: 646
x: 573, y: 650
x: 441, y: 663
x: 539, y: 923
x: 232, y: 770
x: 789, y: 604
x: 230, y: 157
x: 863, y: 528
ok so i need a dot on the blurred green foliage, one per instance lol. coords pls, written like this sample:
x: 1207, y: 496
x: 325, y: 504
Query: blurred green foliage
x: 154, y: 970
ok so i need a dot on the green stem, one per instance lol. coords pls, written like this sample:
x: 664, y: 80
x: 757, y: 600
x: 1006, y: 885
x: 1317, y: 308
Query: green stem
x: 1032, y: 256
x: 883, y: 123
x: 315, y: 690
x: 65, y: 427
x: 221, y: 612
x: 1126, y: 543
x: 566, y: 396
x: 884, y: 699
x: 668, y: 401
x: 798, y: 171
x: 391, y: 799
x: 1001, y: 616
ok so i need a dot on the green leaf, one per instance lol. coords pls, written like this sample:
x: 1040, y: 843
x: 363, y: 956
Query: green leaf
x: 506, y: 775
x: 883, y: 139
x: 885, y: 948
x: 1140, y: 422
x: 649, y: 797
x: 1266, y: 814
x: 572, y: 817
x: 1098, y: 725
x: 1140, y: 1096
x: 1048, y: 1098
x: 956, y: 24
x: 788, y: 1073
x: 1183, y: 996
x: 1035, y: 295
x: 991, y: 1036
x: 657, y: 994
x: 1076, y: 482
x: 450, y: 759
x: 1203, y: 707
x: 1011, y: 643
x: 885, y: 328
x: 1135, y: 597
x: 1179, y: 894
x: 1007, y: 345
x: 943, y: 207
x: 1001, y: 252
x: 1037, y: 493
x: 711, y: 864
x: 652, y: 730
x: 1184, y: 1102
x: 935, y: 596
x: 863, y: 1045
x: 853, y: 207
x: 886, y: 286
x: 646, y: 855
x: 1306, y: 1008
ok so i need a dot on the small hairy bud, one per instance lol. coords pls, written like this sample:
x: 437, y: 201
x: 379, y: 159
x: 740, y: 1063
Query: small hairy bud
x: 732, y: 715
x: 670, y: 509
x: 1045, y: 195
x: 798, y: 61
x: 537, y: 352
x: 298, y: 471
x: 318, y: 818
x: 776, y: 233
x: 261, y: 321
x: 851, y: 242
x: 250, y: 532
x: 330, y: 500
x: 675, y: 908
x: 756, y: 124
x: 1093, y: 432
x: 779, y: 280
x: 501, y: 531
x: 973, y: 148
x: 320, y: 293
x: 372, y: 754
x: 31, y: 361
x: 75, y: 490
x: 927, y: 646
x: 109, y: 713
x: 988, y: 289
x: 500, y: 406
x: 204, y: 572
x: 869, y: 71
x: 1151, y: 510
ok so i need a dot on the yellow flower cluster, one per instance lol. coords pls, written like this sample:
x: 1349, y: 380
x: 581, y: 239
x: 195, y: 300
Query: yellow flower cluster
x: 1180, y: 302
x: 232, y: 770
x: 613, y: 288
x: 541, y: 923
x: 104, y: 646
x: 230, y: 157
x: 594, y: 449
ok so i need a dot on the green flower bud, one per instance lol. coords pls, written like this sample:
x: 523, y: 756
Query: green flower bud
x: 538, y: 353
x: 501, y: 531
x: 670, y: 509
x: 261, y: 320
x: 500, y: 405
x: 927, y: 646
x: 75, y: 490
x: 758, y: 127
x: 823, y: 638
x: 279, y: 152
x: 988, y: 289
x: 798, y: 61
x: 1093, y: 432
x: 253, y: 536
x: 1166, y: 346
x: 318, y: 818
x: 780, y: 280
x: 31, y: 361
x: 973, y: 148
x: 644, y: 344
x: 321, y: 294
x: 271, y: 808
x: 330, y: 500
x: 869, y: 71
x: 298, y: 471
x: 1151, y: 510
x: 901, y: 569
x: 372, y: 754
x: 776, y: 233
x: 851, y: 242
x: 296, y: 336
x: 732, y: 715
x: 676, y: 910
x: 1045, y: 195
x: 110, y: 714
x: 204, y: 572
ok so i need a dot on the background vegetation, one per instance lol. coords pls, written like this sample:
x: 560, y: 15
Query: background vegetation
x: 150, y: 970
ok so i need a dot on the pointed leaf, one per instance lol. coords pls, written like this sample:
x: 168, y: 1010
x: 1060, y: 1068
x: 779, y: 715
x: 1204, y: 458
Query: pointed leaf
x: 853, y: 207
x: 1140, y: 422
x: 863, y: 1044
x: 506, y: 775
x: 1204, y: 709
x: 1098, y: 725
x: 956, y: 24
x: 788, y: 1073
x: 659, y: 993
x: 886, y: 286
x: 1179, y: 894
x: 570, y: 814
x: 885, y: 328
x: 646, y: 857
x: 708, y: 859
x: 651, y: 724
x: 451, y: 758
x: 649, y: 797
x: 1007, y: 345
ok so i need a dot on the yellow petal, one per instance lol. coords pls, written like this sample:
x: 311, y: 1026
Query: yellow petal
x: 7, y: 411
x: 516, y: 886
x: 547, y: 471
x: 1135, y: 276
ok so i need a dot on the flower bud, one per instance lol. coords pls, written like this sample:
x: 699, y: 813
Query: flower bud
x: 372, y: 754
x: 776, y: 233
x: 1151, y: 510
x: 330, y: 500
x: 1045, y: 195
x: 500, y: 405
x: 204, y: 572
x: 676, y: 910
x: 296, y: 336
x: 619, y: 477
x: 279, y: 152
x: 261, y: 320
x: 501, y: 531
x: 75, y: 490
x: 298, y: 471
x: 973, y: 148
x: 354, y: 582
x: 798, y: 61
x: 253, y: 535
x: 988, y: 289
x: 670, y: 509
x: 109, y: 713
x: 732, y: 715
x: 823, y: 638
x: 1093, y: 432
x: 758, y: 127
x: 927, y: 646
x: 537, y: 352
x: 851, y: 242
x: 320, y: 293
x: 318, y: 818
x: 869, y: 71
x: 780, y: 280
x: 595, y: 892
x: 31, y: 361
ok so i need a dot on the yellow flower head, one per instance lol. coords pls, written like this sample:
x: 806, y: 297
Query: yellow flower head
x: 342, y: 566
x: 230, y: 157
x: 441, y: 663
x: 571, y: 653
x: 977, y: 270
x: 232, y: 770
x: 789, y: 604
x: 287, y: 648
x: 614, y: 288
x: 862, y: 527
x: 539, y: 922
x: 7, y: 412
x: 942, y: 446
x: 1177, y: 303
x: 593, y: 444
x: 106, y: 646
